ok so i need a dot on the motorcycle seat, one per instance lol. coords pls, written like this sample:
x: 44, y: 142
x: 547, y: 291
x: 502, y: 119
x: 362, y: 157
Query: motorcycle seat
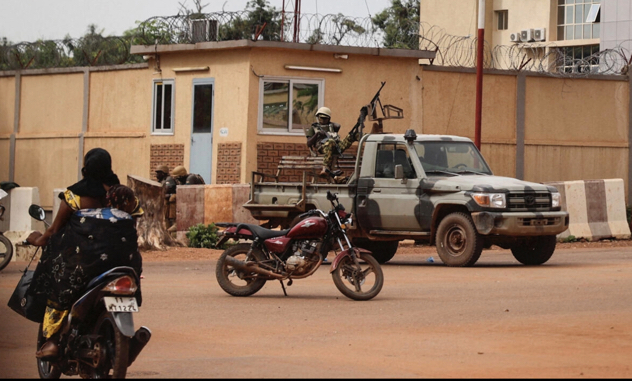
x: 261, y: 232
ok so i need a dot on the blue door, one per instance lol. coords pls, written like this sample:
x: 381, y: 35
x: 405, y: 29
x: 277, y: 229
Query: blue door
x: 202, y: 128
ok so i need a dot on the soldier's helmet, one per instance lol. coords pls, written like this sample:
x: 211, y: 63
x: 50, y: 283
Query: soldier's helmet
x: 323, y: 111
x: 179, y: 171
x: 162, y: 168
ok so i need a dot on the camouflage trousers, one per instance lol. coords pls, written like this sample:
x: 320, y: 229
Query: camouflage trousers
x: 330, y: 149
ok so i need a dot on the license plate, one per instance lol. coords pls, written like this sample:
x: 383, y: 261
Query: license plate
x: 538, y: 222
x: 120, y: 304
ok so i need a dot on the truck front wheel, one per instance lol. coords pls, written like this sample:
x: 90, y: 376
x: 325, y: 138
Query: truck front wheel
x: 458, y: 243
x: 536, y: 251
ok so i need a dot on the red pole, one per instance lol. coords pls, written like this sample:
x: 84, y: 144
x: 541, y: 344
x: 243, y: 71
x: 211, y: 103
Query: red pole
x: 282, y: 19
x: 297, y: 7
x: 479, y: 72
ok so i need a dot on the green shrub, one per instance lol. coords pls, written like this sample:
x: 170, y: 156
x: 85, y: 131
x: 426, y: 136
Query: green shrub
x: 569, y: 239
x: 203, y: 236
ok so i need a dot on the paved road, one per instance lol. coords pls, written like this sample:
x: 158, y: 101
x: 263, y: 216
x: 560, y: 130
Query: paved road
x: 570, y: 318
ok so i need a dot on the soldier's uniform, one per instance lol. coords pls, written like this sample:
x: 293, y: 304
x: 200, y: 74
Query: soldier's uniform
x: 324, y: 139
x: 179, y: 176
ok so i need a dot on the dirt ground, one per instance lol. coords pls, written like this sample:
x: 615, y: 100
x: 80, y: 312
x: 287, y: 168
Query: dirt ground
x: 567, y: 319
x: 182, y: 253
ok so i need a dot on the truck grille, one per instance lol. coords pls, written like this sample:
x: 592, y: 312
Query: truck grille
x: 529, y: 201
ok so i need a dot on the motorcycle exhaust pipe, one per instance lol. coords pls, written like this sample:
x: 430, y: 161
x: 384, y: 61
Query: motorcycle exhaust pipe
x: 251, y: 267
x: 137, y: 343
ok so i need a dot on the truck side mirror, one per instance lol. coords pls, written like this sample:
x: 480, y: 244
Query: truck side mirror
x: 399, y: 172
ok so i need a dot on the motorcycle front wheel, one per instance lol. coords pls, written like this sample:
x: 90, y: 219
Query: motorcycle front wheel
x: 46, y: 369
x: 361, y: 281
x: 6, y: 251
x: 236, y: 282
x: 113, y: 349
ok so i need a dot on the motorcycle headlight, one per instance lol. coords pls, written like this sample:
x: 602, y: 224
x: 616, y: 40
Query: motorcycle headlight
x: 490, y: 200
x: 556, y: 200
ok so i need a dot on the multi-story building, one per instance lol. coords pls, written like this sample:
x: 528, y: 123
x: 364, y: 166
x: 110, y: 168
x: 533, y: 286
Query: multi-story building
x: 559, y: 33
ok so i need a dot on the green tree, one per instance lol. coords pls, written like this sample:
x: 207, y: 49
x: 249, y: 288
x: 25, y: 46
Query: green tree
x: 149, y: 32
x: 93, y: 49
x: 345, y: 26
x: 400, y: 24
x: 195, y: 13
x: 263, y: 21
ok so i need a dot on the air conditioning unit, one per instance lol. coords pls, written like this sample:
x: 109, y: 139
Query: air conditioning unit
x: 515, y: 37
x: 203, y: 30
x: 526, y: 35
x: 539, y: 34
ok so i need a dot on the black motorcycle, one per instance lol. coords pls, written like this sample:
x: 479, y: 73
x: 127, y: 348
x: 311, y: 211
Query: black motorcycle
x: 98, y: 339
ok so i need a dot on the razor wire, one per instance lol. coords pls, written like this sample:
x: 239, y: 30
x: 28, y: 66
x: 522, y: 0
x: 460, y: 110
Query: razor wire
x: 336, y: 30
x: 94, y: 50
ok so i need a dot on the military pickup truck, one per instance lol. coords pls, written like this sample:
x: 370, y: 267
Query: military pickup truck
x: 436, y: 189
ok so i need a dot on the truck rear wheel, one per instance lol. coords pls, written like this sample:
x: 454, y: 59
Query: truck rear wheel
x: 382, y: 251
x: 458, y: 243
x: 536, y: 251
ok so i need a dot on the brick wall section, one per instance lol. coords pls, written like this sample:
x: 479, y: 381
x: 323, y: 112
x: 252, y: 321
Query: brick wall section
x: 269, y: 154
x: 228, y: 163
x: 171, y: 155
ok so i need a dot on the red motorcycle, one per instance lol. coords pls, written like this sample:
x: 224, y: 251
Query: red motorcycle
x: 296, y: 253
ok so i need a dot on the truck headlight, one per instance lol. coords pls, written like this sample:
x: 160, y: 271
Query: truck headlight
x: 555, y: 200
x: 490, y: 200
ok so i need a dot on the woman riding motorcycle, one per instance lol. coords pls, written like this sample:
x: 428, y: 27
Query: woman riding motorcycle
x: 92, y: 232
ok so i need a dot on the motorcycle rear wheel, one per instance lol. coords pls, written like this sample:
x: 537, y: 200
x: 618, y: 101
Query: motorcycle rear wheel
x: 114, y: 347
x: 6, y: 252
x: 234, y: 282
x: 361, y: 283
x: 46, y: 369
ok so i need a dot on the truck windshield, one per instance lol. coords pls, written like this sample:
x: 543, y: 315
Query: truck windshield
x: 451, y: 157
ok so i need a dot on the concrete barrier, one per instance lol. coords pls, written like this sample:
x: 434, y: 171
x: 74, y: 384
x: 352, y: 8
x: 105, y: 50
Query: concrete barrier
x: 20, y: 223
x: 205, y: 204
x: 21, y: 199
x: 596, y: 209
x: 6, y: 218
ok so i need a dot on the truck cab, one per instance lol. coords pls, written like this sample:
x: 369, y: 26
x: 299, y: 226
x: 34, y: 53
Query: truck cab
x: 439, y: 189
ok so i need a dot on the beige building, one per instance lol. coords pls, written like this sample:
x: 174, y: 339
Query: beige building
x: 221, y: 109
x: 515, y: 28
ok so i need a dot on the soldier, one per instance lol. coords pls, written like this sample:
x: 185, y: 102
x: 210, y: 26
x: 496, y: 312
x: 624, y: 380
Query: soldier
x: 322, y: 137
x: 162, y: 172
x: 179, y: 173
x: 179, y: 176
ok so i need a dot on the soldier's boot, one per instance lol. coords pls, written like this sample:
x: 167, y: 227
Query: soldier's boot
x: 325, y: 172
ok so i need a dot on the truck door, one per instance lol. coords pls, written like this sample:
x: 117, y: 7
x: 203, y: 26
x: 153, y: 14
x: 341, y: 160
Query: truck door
x: 386, y: 203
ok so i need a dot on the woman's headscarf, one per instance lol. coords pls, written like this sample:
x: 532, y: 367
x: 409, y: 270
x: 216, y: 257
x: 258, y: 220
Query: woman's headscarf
x: 97, y: 170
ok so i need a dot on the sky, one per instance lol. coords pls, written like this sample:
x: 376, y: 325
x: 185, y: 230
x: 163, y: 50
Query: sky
x: 30, y: 20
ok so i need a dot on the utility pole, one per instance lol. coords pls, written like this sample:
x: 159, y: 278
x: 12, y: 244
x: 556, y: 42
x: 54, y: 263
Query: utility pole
x: 479, y: 73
